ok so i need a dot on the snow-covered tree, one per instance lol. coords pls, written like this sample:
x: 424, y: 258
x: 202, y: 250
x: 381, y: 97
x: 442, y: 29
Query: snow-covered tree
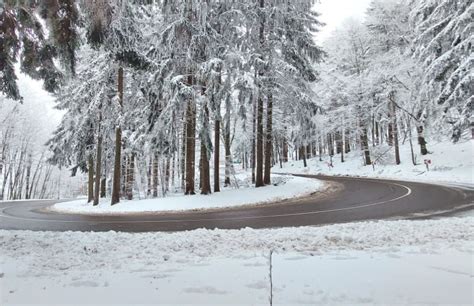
x: 443, y: 45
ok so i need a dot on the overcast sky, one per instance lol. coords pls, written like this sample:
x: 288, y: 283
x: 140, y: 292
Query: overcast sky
x: 334, y: 12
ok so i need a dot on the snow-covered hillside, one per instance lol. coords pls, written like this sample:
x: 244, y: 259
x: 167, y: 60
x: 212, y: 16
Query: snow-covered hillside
x: 449, y: 163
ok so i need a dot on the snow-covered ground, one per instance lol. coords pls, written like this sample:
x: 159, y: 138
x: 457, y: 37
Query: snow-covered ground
x: 284, y: 187
x: 449, y: 163
x: 385, y: 262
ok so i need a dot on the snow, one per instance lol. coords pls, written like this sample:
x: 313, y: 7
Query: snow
x: 450, y: 162
x: 284, y: 187
x: 384, y: 262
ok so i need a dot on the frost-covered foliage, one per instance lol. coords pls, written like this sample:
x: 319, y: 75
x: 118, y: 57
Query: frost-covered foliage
x: 25, y: 36
x: 24, y: 128
x: 244, y: 76
x: 407, y: 66
x: 443, y: 44
x: 188, y: 63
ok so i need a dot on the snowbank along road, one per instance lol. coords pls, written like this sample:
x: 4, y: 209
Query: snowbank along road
x: 348, y: 199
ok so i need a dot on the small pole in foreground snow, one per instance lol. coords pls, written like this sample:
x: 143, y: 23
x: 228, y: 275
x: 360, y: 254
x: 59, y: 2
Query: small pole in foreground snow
x: 427, y: 164
x: 271, y: 278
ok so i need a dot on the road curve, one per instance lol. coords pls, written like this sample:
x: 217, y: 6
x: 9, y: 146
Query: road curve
x: 351, y: 199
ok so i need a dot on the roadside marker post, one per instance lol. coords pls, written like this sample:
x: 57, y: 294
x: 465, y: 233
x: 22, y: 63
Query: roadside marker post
x: 427, y: 164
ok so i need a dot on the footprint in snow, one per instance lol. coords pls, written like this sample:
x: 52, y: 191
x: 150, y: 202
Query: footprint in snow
x: 207, y: 289
x: 84, y: 284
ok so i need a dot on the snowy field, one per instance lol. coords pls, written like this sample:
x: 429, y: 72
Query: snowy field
x: 284, y: 187
x: 453, y: 163
x: 389, y: 262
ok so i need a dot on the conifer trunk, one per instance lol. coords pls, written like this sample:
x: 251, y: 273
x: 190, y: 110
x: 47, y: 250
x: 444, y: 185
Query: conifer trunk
x: 217, y: 141
x: 343, y: 139
x: 227, y: 144
x: 330, y: 145
x: 98, y: 170
x: 285, y: 149
x: 103, y: 188
x: 259, y: 151
x: 90, y: 182
x: 254, y: 132
x: 217, y: 145
x: 205, y: 169
x: 149, y: 177
x: 390, y: 128
x: 205, y: 175
x: 413, y: 158
x: 338, y: 142
x: 302, y: 153
x: 183, y: 158
x: 320, y: 147
x: 268, y: 141
x: 155, y: 175
x: 28, y: 177
x: 130, y: 177
x: 347, y: 142
x: 190, y: 142
x: 393, y: 115
x: 421, y: 139
x: 167, y: 174
x: 364, y: 141
x: 118, y: 147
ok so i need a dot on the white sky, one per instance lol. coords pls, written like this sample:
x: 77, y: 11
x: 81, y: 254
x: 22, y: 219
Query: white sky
x: 334, y: 12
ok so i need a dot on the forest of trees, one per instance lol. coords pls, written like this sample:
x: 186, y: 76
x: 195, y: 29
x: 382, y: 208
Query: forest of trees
x: 156, y: 94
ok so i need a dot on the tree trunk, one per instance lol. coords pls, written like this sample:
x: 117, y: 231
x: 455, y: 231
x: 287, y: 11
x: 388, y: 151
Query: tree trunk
x: 103, y: 187
x: 365, y: 145
x: 155, y: 175
x: 205, y: 171
x: 254, y: 133
x: 149, y: 177
x: 259, y: 149
x: 390, y: 130
x: 338, y: 142
x: 342, y: 141
x: 393, y: 114
x: 190, y: 142
x: 167, y: 174
x: 205, y: 175
x: 173, y: 171
x: 130, y: 177
x: 320, y: 147
x: 285, y: 150
x: 118, y: 147
x: 98, y: 171
x: 268, y: 141
x: 330, y: 145
x: 90, y: 184
x: 421, y: 139
x: 377, y: 136
x: 227, y: 144
x: 308, y: 150
x: 413, y: 158
x: 28, y: 178
x: 183, y: 159
x: 347, y: 143
x: 303, y: 155
x: 217, y: 145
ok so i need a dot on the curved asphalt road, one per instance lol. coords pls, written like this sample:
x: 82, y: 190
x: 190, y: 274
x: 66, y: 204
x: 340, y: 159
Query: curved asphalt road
x: 349, y: 199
